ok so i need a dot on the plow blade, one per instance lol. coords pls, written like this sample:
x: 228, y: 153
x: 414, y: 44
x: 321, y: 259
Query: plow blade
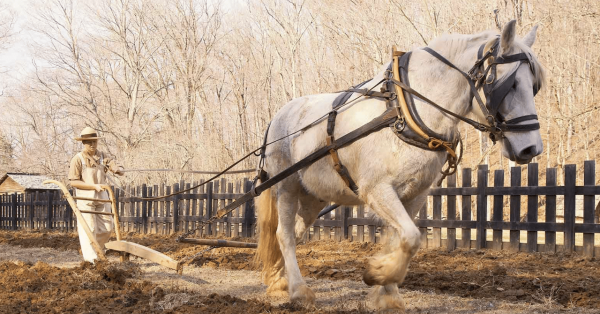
x: 145, y: 252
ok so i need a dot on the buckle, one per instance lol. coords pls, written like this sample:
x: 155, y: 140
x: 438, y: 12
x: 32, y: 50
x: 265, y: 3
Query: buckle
x: 388, y: 74
x: 399, y: 125
x: 474, y: 73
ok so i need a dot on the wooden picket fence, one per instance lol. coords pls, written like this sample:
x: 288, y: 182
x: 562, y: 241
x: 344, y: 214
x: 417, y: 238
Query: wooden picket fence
x: 465, y: 216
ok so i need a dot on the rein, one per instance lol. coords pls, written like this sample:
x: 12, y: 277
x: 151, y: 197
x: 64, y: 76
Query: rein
x: 260, y: 151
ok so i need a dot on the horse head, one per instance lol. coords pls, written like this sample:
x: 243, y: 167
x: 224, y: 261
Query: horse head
x: 510, y: 78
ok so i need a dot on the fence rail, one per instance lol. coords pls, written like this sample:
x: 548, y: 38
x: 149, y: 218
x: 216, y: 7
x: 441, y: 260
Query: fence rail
x: 465, y: 216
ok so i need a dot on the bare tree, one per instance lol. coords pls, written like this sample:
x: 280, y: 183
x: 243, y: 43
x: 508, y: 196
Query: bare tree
x: 186, y: 84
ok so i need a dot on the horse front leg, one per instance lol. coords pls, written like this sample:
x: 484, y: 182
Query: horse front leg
x: 288, y: 207
x: 388, y: 270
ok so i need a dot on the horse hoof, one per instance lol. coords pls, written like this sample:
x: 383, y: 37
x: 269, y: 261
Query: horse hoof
x: 278, y: 288
x: 303, y: 295
x: 383, y: 270
x: 385, y: 302
x: 390, y: 303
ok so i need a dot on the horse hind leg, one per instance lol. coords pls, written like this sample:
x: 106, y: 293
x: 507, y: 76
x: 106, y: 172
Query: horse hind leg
x: 390, y: 269
x: 287, y: 203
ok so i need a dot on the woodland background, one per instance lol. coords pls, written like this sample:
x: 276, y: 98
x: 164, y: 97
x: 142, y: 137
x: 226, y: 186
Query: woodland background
x: 192, y: 85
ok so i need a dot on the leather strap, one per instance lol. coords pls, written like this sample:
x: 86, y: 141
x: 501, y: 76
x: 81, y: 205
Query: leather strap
x: 386, y: 119
x: 337, y: 164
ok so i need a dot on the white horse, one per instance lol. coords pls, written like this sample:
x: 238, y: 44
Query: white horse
x: 393, y: 177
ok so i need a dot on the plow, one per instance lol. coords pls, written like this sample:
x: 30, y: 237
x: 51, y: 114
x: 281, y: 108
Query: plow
x: 126, y: 248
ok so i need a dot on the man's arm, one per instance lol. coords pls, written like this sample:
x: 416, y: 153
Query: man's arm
x: 113, y: 166
x: 75, y: 179
x: 78, y: 184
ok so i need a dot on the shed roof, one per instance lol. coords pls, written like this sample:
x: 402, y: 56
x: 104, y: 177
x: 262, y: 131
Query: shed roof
x: 30, y: 181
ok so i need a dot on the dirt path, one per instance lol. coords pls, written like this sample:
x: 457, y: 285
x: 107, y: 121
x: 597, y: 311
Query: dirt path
x: 221, y: 280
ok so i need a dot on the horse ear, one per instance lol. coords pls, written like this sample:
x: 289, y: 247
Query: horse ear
x: 530, y: 37
x: 508, y: 35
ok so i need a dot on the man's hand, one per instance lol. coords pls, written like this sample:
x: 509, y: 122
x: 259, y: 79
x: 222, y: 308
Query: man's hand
x: 119, y: 171
x: 98, y: 188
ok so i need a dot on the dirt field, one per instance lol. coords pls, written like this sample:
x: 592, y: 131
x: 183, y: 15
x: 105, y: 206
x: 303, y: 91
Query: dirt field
x: 42, y: 272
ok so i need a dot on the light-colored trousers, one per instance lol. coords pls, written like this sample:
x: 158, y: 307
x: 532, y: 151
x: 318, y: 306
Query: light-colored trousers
x: 100, y: 225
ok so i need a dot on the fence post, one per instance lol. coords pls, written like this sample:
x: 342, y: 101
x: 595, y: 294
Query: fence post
x: 227, y: 225
x: 451, y: 213
x: 14, y: 211
x: 532, y: 206
x: 515, y: 209
x: 550, y: 210
x: 589, y: 178
x: 346, y: 213
x: 215, y: 206
x: 155, y: 207
x: 68, y: 216
x: 188, y: 210
x: 5, y: 205
x: 498, y: 210
x: 144, y: 209
x: 466, y: 208
x: 569, y: 207
x: 482, y: 183
x: 221, y: 204
x: 437, y: 216
x: 360, y: 229
x: 32, y: 209
x: 175, y: 209
x: 50, y: 208
x: 209, y: 206
x: 1, y: 211
x: 248, y: 225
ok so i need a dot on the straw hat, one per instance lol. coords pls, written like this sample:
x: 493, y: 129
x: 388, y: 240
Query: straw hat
x: 87, y: 134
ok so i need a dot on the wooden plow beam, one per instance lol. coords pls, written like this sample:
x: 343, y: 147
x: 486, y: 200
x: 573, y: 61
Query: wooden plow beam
x: 247, y: 245
x: 220, y: 243
x: 120, y: 246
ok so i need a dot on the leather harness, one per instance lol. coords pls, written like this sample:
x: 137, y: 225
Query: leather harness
x: 399, y: 119
x: 408, y: 125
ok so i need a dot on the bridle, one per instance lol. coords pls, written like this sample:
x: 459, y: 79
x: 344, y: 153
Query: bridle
x: 495, y: 91
x: 478, y: 77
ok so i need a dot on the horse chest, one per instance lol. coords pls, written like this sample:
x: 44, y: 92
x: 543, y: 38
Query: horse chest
x: 413, y: 181
x: 410, y: 188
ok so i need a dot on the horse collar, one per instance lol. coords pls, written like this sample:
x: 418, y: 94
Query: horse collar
x: 417, y: 133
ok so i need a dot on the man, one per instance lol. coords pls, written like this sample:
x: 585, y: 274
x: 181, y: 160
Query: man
x: 87, y: 173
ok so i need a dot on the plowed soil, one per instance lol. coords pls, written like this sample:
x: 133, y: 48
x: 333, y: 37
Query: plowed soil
x: 557, y: 281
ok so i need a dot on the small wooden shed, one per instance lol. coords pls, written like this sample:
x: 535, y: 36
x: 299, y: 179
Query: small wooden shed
x: 24, y: 183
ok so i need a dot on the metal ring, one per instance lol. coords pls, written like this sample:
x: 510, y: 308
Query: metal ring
x: 399, y: 125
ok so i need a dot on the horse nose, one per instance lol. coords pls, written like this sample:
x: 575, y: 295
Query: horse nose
x: 528, y: 153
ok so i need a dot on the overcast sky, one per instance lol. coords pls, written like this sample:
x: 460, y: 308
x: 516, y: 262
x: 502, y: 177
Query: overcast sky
x: 17, y: 59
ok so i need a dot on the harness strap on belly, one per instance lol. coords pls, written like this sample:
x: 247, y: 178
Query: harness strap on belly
x: 337, y: 164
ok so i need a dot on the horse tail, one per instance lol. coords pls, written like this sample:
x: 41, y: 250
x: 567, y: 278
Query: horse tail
x: 268, y: 252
